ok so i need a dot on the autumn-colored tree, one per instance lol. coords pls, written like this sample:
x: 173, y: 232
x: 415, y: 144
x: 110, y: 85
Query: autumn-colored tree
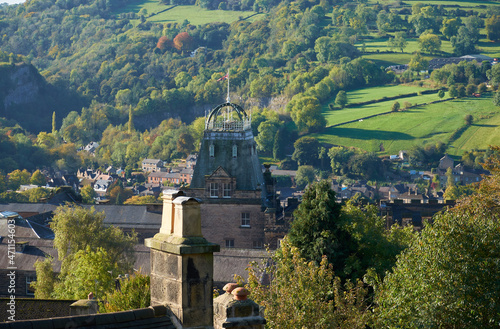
x: 136, y: 199
x: 164, y: 43
x: 183, y: 41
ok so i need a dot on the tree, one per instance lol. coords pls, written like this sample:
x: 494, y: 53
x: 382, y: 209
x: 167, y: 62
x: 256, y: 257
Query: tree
x: 305, y: 175
x: 134, y: 293
x: 164, y: 43
x: 429, y: 43
x: 468, y: 119
x: 38, y: 178
x: 54, y: 127
x: 466, y: 39
x: 395, y: 106
x: 341, y: 99
x: 496, y: 98
x: 449, y: 276
x: 324, y: 302
x: 441, y: 93
x: 87, y: 251
x: 398, y: 41
x: 183, y: 41
x: 146, y: 199
x: 265, y: 138
x: 418, y: 63
x: 316, y: 229
x: 18, y: 178
x: 450, y: 27
x: 306, y: 150
x: 278, y: 145
x: 339, y: 158
x: 470, y: 89
x: 492, y: 25
x: 130, y: 124
x: 452, y: 91
x: 461, y: 91
x: 88, y: 194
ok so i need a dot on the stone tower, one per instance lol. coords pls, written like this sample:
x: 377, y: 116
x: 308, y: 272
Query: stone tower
x: 228, y: 144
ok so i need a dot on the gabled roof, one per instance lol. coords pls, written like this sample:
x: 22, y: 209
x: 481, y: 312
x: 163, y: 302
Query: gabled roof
x: 219, y: 172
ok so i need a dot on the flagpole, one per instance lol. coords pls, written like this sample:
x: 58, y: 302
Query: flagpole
x: 227, y: 98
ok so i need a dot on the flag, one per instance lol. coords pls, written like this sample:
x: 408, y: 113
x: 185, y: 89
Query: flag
x: 223, y: 78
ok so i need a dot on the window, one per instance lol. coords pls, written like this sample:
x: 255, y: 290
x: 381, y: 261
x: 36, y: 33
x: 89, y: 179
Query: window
x: 30, y: 291
x: 245, y: 219
x: 214, y: 190
x: 227, y: 190
x: 257, y: 244
x: 211, y: 150
x: 229, y: 243
x: 235, y: 151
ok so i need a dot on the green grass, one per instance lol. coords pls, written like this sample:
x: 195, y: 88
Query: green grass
x: 418, y: 126
x: 363, y: 95
x: 194, y: 14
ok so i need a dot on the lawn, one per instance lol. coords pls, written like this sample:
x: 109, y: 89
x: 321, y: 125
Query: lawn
x: 421, y: 125
x: 194, y: 14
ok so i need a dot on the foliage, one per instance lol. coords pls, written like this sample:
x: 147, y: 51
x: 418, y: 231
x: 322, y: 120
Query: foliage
x: 88, y: 194
x: 493, y: 27
x: 496, y: 98
x: 395, y: 106
x: 316, y: 229
x: 398, y: 41
x: 45, y: 278
x: 429, y: 43
x: 18, y: 178
x: 134, y: 293
x: 305, y: 175
x: 306, y: 295
x: 88, y: 251
x: 38, y: 179
x: 341, y: 99
x: 449, y: 275
x: 306, y: 150
x: 418, y: 63
x: 146, y: 199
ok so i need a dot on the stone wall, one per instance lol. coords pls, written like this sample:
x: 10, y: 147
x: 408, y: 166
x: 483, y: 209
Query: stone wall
x: 30, y: 308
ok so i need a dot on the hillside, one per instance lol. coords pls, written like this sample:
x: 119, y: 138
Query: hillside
x: 147, y: 61
x: 26, y: 97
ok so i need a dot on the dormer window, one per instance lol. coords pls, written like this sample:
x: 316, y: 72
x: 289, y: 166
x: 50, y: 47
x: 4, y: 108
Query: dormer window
x: 211, y: 150
x: 235, y: 151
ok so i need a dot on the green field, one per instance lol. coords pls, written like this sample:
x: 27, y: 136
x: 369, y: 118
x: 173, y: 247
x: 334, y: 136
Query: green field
x: 421, y: 125
x: 194, y: 14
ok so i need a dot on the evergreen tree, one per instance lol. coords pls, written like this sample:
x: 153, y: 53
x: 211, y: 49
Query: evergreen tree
x: 315, y: 230
x: 54, y: 128
x: 130, y: 120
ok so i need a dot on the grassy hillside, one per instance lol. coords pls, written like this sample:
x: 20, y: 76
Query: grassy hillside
x: 417, y: 126
x: 160, y: 13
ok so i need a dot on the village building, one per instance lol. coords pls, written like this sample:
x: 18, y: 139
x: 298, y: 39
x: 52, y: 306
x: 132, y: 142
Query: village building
x: 228, y: 179
x: 152, y: 165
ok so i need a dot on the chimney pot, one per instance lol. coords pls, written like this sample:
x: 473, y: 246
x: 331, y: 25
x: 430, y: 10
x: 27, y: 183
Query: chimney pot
x: 240, y: 293
x: 228, y: 288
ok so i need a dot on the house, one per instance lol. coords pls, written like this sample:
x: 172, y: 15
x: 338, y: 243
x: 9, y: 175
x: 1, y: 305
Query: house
x: 152, y: 165
x: 445, y: 162
x: 91, y: 147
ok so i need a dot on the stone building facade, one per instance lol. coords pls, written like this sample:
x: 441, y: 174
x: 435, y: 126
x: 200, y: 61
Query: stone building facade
x: 228, y: 179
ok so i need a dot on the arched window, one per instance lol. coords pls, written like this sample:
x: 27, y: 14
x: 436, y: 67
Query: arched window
x: 235, y: 151
x: 211, y: 150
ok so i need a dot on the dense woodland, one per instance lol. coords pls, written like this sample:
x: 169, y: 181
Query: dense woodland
x: 113, y: 77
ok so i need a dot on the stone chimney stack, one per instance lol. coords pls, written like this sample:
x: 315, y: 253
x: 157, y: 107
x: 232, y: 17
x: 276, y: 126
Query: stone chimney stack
x: 234, y: 310
x: 182, y: 263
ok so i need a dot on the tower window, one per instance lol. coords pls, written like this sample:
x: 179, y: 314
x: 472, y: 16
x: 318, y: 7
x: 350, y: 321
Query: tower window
x: 211, y: 150
x: 245, y: 219
x: 229, y: 243
x: 227, y: 190
x: 214, y: 190
x: 235, y: 151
